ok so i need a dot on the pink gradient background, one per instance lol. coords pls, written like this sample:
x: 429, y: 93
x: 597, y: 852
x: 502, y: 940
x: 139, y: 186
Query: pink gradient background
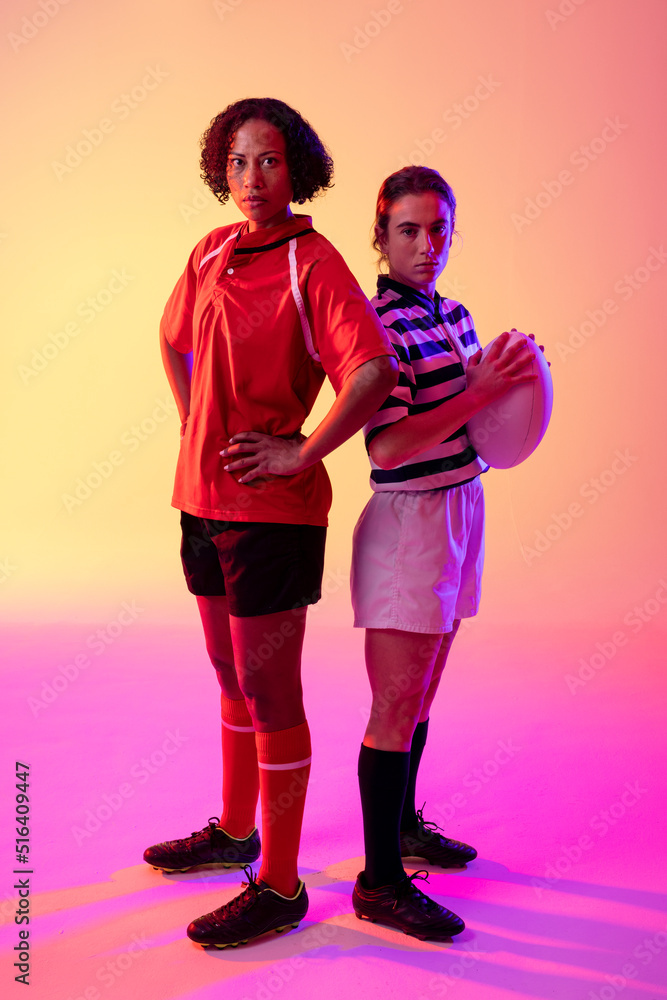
x: 500, y: 98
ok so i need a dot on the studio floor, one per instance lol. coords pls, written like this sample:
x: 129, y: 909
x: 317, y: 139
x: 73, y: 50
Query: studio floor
x: 545, y: 757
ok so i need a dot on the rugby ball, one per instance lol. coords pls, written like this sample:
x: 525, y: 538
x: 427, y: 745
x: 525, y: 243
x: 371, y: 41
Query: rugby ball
x: 507, y: 431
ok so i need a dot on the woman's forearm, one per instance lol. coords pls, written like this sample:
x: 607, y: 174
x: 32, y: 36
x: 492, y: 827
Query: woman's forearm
x: 410, y: 436
x: 488, y: 379
x: 178, y: 368
x: 363, y: 392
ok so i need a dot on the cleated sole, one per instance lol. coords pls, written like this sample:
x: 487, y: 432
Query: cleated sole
x: 395, y: 927
x: 208, y: 864
x: 235, y: 944
x: 436, y: 864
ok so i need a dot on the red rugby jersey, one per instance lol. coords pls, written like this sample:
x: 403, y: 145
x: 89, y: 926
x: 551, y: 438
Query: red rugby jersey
x: 267, y: 315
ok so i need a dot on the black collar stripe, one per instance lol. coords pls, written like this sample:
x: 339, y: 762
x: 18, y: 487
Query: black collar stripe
x: 277, y: 243
x: 407, y: 292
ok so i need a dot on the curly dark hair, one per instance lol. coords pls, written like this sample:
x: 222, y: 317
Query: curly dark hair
x: 310, y: 165
x: 408, y: 180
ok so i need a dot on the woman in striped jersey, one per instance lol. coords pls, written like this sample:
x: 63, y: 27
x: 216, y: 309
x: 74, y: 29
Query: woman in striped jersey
x: 419, y: 543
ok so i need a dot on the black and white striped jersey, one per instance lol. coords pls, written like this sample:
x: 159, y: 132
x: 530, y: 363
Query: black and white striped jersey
x: 433, y: 339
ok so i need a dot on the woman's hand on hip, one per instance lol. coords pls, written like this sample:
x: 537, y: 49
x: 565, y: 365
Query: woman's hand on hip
x: 263, y: 455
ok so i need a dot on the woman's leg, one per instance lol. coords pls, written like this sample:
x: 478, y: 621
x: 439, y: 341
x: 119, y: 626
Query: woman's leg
x: 234, y: 839
x: 240, y: 779
x: 267, y: 654
x: 270, y: 566
x: 400, y: 669
x: 400, y: 666
x: 267, y: 658
x: 438, y: 668
x: 409, y: 817
x: 419, y: 838
x: 214, y: 615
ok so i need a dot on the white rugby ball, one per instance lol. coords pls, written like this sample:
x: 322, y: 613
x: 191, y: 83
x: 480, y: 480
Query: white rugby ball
x: 506, y: 432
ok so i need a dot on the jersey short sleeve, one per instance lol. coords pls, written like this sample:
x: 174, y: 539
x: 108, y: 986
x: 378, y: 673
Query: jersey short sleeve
x: 176, y: 324
x: 346, y: 331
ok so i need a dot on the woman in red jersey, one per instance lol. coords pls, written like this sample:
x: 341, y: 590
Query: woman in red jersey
x: 265, y: 309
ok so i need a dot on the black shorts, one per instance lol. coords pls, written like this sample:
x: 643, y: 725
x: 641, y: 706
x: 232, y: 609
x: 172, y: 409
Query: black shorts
x: 260, y: 567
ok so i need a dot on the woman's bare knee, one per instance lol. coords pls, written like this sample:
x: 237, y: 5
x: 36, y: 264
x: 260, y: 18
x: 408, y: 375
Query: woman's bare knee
x: 390, y: 726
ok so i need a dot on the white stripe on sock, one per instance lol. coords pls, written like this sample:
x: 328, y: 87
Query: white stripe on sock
x: 238, y: 729
x: 284, y: 767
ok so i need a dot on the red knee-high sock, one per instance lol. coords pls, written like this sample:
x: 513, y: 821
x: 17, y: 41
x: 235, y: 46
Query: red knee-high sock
x: 240, y: 780
x: 284, y: 766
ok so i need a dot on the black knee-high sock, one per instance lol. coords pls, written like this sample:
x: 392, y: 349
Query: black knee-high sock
x: 409, y: 814
x: 383, y: 775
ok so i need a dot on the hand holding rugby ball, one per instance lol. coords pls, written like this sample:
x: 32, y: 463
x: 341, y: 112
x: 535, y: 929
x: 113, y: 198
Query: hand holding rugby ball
x: 508, y: 430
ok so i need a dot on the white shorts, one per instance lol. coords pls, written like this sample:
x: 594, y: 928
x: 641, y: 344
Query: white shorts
x: 417, y: 558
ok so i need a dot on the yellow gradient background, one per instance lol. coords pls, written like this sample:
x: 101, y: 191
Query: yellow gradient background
x: 502, y: 98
